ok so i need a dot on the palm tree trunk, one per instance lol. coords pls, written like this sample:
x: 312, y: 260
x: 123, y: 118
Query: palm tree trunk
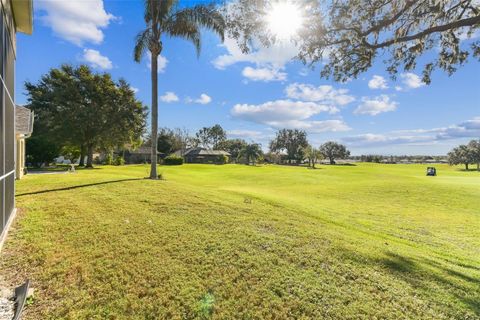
x: 153, y: 158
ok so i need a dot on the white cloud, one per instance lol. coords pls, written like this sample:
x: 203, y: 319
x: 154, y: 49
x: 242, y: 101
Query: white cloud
x: 411, y: 80
x: 377, y: 82
x: 244, y: 133
x: 264, y: 74
x: 161, y: 64
x: 325, y: 94
x: 467, y: 129
x: 134, y: 89
x: 318, y: 126
x: 377, y: 105
x: 370, y: 139
x: 96, y: 60
x: 169, y: 96
x: 76, y: 21
x: 203, y: 99
x: 275, y: 56
x: 288, y: 114
x: 278, y: 111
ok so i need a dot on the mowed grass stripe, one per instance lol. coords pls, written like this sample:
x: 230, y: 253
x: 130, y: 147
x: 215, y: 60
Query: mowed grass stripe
x: 249, y: 242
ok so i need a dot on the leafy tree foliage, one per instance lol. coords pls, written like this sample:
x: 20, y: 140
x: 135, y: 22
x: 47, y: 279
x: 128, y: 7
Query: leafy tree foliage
x: 41, y: 149
x: 232, y: 146
x: 211, y: 137
x: 313, y: 155
x: 168, y: 18
x: 465, y: 154
x: 168, y: 141
x: 85, y: 109
x: 333, y: 150
x: 474, y: 147
x: 251, y: 152
x: 292, y: 141
x: 348, y: 35
x: 70, y: 152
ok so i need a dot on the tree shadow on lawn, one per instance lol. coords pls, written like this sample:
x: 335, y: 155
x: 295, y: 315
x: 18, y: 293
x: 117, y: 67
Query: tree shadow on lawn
x: 77, y: 187
x: 418, y: 274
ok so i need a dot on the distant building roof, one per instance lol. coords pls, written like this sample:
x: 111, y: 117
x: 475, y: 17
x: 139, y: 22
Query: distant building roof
x: 23, y: 120
x: 205, y: 152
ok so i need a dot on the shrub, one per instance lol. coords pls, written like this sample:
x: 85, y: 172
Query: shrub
x: 119, y: 161
x: 173, y: 160
x: 109, y: 159
x: 222, y: 159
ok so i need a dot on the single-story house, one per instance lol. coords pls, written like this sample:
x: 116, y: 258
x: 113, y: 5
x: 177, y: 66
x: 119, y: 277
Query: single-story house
x: 23, y: 130
x: 203, y: 155
x: 142, y: 154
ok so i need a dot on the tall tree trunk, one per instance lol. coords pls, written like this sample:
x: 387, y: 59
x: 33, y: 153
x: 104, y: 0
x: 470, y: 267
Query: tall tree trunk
x: 81, y: 162
x: 466, y: 166
x: 90, y: 156
x: 478, y: 166
x: 153, y: 158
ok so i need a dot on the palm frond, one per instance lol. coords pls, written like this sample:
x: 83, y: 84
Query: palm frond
x: 206, y: 16
x: 166, y: 7
x: 142, y: 41
x: 186, y: 30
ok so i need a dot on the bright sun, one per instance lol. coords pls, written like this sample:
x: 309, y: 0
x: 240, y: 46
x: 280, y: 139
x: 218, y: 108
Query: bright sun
x: 284, y: 19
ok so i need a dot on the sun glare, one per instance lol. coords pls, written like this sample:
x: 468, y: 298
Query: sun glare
x: 284, y: 19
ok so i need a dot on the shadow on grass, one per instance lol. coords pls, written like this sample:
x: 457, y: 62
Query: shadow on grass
x: 418, y: 273
x: 77, y: 187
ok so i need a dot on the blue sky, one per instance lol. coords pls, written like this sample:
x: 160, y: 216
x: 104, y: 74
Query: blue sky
x: 253, y: 95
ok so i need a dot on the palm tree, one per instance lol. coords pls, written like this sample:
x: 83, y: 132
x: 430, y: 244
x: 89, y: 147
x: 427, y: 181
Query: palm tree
x: 251, y: 152
x: 167, y: 18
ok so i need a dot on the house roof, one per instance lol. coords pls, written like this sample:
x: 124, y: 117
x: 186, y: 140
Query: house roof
x: 205, y: 152
x: 23, y: 120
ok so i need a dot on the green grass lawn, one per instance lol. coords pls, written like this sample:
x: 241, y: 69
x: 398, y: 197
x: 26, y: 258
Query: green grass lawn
x: 237, y: 242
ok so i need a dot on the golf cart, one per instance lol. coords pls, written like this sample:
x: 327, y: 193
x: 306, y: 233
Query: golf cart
x: 431, y: 171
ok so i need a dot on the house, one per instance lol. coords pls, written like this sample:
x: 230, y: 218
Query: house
x: 142, y: 154
x: 15, y: 16
x: 23, y: 130
x: 203, y: 155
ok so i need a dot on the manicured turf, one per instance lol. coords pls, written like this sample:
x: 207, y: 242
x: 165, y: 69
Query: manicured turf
x: 236, y: 242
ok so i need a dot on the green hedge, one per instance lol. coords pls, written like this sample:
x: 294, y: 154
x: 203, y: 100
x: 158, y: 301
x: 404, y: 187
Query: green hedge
x: 173, y: 160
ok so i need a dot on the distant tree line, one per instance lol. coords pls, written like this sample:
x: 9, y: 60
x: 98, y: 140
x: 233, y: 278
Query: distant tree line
x: 290, y: 146
x: 465, y: 154
x: 378, y: 158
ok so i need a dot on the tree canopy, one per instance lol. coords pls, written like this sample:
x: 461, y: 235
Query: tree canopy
x: 346, y: 36
x: 333, y: 150
x: 251, y: 153
x: 232, y: 146
x: 211, y: 137
x: 291, y: 141
x: 465, y: 154
x: 85, y: 109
